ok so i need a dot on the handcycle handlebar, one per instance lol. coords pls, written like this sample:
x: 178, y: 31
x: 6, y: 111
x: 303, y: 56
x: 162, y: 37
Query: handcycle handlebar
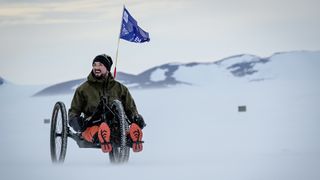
x: 102, y: 113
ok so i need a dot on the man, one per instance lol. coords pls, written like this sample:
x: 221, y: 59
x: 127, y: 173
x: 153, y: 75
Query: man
x: 85, y: 102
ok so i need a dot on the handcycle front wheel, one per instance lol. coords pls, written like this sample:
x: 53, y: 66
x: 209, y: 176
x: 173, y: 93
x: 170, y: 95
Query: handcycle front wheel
x: 120, y: 152
x: 58, y: 133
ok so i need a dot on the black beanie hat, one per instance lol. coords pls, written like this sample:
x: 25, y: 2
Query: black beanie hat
x: 105, y: 60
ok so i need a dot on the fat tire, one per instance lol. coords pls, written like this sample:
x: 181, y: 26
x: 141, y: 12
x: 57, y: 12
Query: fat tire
x: 120, y: 153
x: 58, y: 133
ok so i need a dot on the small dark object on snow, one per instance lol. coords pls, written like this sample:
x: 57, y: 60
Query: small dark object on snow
x: 46, y: 121
x: 242, y: 108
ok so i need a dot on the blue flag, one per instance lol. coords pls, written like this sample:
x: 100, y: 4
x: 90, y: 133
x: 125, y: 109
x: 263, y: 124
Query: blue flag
x: 130, y: 30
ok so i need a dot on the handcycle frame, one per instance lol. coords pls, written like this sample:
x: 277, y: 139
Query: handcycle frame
x: 119, y: 126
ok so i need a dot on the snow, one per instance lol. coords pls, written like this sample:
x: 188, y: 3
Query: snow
x: 133, y: 85
x: 158, y: 75
x: 202, y: 74
x: 237, y: 59
x: 193, y: 132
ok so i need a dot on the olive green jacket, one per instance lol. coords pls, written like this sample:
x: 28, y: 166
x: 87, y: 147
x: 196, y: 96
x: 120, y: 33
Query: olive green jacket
x: 87, y: 96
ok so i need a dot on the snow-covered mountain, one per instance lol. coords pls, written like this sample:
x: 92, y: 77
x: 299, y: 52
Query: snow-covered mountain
x: 245, y: 66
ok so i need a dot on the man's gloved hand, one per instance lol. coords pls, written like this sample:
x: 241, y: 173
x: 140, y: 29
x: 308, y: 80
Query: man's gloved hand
x: 138, y: 119
x: 77, y: 124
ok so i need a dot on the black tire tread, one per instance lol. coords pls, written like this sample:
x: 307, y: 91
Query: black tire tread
x: 59, y: 107
x: 121, y: 154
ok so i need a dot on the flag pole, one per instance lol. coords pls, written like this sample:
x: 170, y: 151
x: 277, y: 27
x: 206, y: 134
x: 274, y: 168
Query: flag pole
x: 117, y: 52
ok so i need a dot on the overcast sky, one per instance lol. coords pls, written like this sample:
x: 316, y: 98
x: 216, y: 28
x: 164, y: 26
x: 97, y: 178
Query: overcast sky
x: 50, y: 41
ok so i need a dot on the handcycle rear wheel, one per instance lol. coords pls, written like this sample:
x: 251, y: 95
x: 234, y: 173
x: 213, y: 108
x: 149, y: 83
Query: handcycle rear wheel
x: 58, y: 133
x: 120, y: 152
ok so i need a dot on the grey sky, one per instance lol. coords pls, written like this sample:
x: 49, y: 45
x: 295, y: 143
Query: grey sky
x: 52, y: 41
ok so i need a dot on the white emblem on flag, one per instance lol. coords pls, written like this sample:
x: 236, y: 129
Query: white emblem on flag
x: 125, y: 16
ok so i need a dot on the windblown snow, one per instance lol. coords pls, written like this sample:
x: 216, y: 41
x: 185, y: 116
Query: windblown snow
x: 193, y: 132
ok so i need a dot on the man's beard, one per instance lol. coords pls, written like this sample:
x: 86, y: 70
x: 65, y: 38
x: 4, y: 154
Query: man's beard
x: 99, y: 76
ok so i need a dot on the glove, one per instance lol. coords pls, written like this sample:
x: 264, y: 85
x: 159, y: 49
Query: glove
x: 77, y: 124
x: 138, y: 119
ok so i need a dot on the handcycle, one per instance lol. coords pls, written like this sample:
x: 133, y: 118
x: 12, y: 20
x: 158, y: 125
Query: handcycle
x: 117, y: 121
